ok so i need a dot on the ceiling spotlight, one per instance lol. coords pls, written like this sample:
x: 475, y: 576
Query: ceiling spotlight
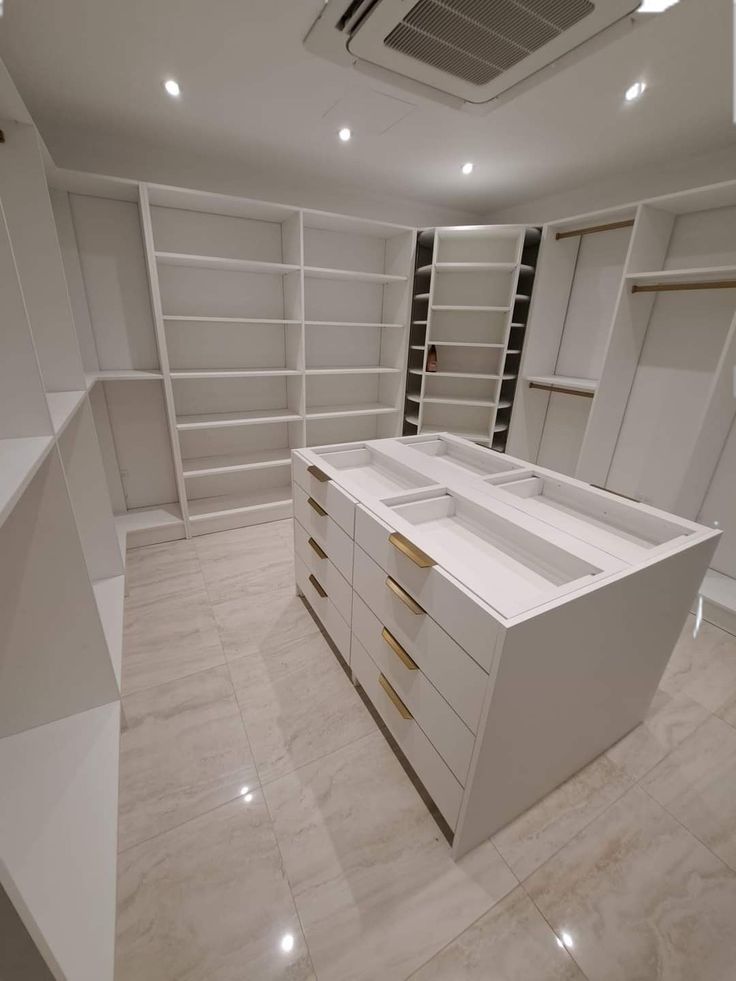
x: 287, y: 942
x: 172, y: 87
x: 345, y: 134
x: 467, y: 168
x: 635, y: 91
x: 655, y: 6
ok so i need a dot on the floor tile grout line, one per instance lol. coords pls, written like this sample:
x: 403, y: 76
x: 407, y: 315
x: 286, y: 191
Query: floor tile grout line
x: 559, y: 940
x: 172, y: 681
x: 674, y: 749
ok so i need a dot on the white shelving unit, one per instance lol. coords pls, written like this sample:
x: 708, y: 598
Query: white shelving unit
x: 471, y: 294
x: 61, y: 596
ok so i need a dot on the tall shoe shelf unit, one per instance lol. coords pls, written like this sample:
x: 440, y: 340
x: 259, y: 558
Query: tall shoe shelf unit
x: 472, y: 290
x: 661, y: 424
x: 61, y: 604
x: 244, y: 330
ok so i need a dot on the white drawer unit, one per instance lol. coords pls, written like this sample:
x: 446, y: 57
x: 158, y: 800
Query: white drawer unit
x: 508, y: 623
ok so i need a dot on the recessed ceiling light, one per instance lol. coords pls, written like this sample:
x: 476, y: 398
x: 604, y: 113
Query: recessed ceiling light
x: 656, y: 6
x: 635, y: 91
x: 467, y: 168
x: 287, y: 942
x: 345, y: 134
x: 172, y: 87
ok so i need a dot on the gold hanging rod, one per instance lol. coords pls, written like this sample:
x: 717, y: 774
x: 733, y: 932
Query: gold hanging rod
x: 562, y: 391
x: 595, y: 228
x: 717, y: 284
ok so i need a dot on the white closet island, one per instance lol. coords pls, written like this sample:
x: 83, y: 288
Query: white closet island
x: 507, y: 623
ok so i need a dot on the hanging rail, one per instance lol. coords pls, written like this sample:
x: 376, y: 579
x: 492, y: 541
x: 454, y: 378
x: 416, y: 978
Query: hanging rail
x: 592, y: 229
x: 717, y: 284
x: 562, y: 391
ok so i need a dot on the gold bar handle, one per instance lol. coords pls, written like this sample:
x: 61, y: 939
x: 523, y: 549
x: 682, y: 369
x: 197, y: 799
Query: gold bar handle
x: 319, y: 474
x: 315, y: 547
x: 410, y: 550
x: 316, y: 507
x: 398, y: 704
x: 402, y: 595
x: 398, y: 650
x: 318, y: 587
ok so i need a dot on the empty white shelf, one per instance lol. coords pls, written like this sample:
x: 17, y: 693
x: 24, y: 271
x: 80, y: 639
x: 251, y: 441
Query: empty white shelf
x: 476, y: 266
x: 420, y: 323
x: 563, y: 381
x: 123, y: 374
x: 173, y: 318
x: 354, y: 370
x: 441, y: 400
x: 233, y: 462
x: 234, y: 373
x: 215, y: 420
x: 143, y: 526
x: 462, y: 344
x: 346, y: 323
x: 468, y: 309
x: 62, y: 406
x: 706, y: 274
x: 357, y: 275
x: 459, y: 374
x: 19, y: 461
x: 500, y: 427
x: 222, y: 262
x: 418, y: 347
x: 412, y: 419
x: 421, y: 296
x: 414, y: 396
x: 212, y: 507
x: 110, y: 596
x: 357, y: 409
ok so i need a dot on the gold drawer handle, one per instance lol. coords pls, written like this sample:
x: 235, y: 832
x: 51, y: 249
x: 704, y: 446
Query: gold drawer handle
x: 410, y: 550
x: 315, y: 547
x: 316, y: 507
x: 399, y: 705
x: 317, y: 586
x: 398, y: 650
x: 402, y: 595
x: 319, y: 474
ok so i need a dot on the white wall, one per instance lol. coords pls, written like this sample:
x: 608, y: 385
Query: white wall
x: 625, y: 187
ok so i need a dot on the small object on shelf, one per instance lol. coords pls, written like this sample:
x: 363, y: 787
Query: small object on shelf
x: 432, y: 358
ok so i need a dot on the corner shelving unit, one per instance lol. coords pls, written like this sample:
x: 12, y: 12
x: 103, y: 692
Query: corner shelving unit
x: 472, y: 287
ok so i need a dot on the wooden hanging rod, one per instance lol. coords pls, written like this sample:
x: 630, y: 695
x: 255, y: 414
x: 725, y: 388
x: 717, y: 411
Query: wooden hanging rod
x: 592, y: 229
x: 562, y: 391
x: 717, y: 284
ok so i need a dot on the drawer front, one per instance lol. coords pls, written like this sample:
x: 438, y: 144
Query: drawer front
x: 453, y: 673
x: 328, y: 534
x: 337, y: 503
x: 429, y: 766
x: 338, y: 589
x: 443, y: 727
x: 458, y: 612
x: 330, y: 619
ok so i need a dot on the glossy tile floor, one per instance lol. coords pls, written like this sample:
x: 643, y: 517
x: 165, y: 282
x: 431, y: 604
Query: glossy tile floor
x: 268, y: 832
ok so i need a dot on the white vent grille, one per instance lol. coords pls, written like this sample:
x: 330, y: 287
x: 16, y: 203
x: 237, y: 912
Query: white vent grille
x: 477, y: 40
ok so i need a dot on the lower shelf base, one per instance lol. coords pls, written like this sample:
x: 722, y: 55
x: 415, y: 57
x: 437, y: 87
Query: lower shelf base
x: 719, y: 600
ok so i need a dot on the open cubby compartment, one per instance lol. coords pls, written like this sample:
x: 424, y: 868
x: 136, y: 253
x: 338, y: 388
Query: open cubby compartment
x: 562, y: 434
x: 468, y: 327
x: 46, y: 672
x: 210, y: 398
x: 469, y: 360
x: 325, y: 393
x: 702, y: 232
x: 113, y: 313
x: 337, y: 242
x: 350, y: 346
x: 507, y: 565
x: 464, y: 458
x: 132, y: 429
x: 206, y: 293
x: 215, y: 225
x: 471, y: 421
x: 224, y: 495
x: 440, y: 388
x: 198, y: 345
x: 368, y: 471
x: 624, y: 529
x: 230, y: 449
x: 347, y: 429
x: 479, y: 288
x: 478, y: 244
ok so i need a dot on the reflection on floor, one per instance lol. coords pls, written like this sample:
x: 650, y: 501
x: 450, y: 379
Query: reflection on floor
x: 268, y: 832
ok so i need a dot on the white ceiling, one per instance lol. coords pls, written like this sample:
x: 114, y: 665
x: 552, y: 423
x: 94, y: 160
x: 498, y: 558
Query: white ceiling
x: 255, y: 102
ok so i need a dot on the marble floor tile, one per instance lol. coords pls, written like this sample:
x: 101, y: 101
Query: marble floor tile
x: 538, y: 833
x: 168, y: 637
x: 155, y: 565
x: 298, y: 704
x: 377, y: 890
x: 636, y: 897
x: 252, y: 625
x: 208, y: 901
x: 703, y: 667
x: 697, y: 784
x: 670, y: 719
x: 183, y: 752
x: 247, y: 562
x: 511, y: 942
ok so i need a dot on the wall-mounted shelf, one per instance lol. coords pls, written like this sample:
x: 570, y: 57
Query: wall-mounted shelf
x: 234, y: 462
x: 214, y: 420
x: 20, y: 458
x: 356, y: 409
x: 62, y: 406
x: 356, y: 275
x: 174, y: 318
x: 222, y: 262
x: 235, y: 373
x: 343, y: 323
x: 584, y: 386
